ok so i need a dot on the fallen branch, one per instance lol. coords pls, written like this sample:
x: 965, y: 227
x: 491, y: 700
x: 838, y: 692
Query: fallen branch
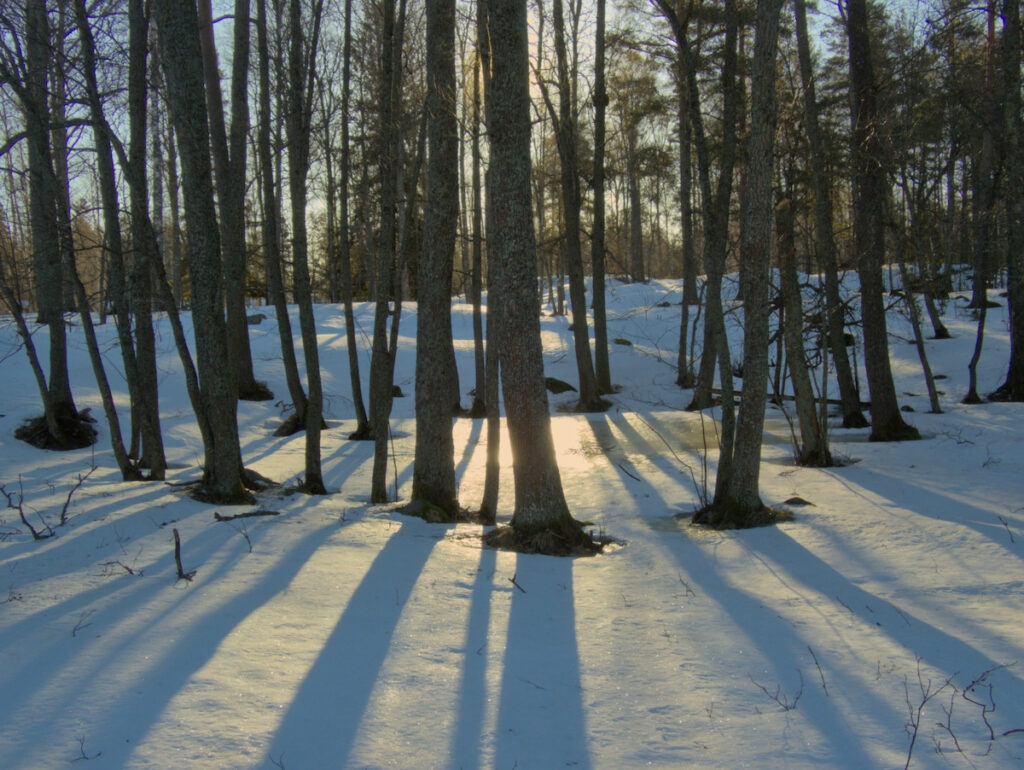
x: 261, y: 512
x: 37, y: 534
x: 737, y: 394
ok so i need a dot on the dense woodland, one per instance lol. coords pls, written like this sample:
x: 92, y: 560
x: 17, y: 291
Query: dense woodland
x: 166, y: 156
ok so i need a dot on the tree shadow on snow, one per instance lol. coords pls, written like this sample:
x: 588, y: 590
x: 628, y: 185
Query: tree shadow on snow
x: 331, y: 703
x: 540, y: 712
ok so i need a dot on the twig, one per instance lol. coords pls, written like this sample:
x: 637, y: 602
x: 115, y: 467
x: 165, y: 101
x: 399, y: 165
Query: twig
x: 948, y: 725
x: 512, y: 580
x: 1007, y: 525
x: 989, y: 706
x: 82, y: 755
x: 780, y: 697
x: 182, y: 575
x: 927, y: 693
x: 635, y: 478
x: 67, y: 502
x: 42, y: 534
x: 86, y: 614
x: 820, y: 672
x: 118, y: 563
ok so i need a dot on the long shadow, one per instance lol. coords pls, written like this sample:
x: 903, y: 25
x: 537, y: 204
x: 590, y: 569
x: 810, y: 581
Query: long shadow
x: 764, y: 628
x: 193, y: 647
x: 919, y: 498
x: 472, y: 442
x: 333, y: 698
x: 540, y: 713
x: 934, y: 646
x: 466, y: 745
x: 617, y: 450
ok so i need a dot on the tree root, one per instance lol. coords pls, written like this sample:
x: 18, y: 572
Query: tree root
x: 566, y: 538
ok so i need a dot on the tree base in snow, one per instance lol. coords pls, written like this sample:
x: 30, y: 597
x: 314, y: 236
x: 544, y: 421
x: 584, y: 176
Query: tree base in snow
x: 478, y: 409
x: 896, y: 430
x: 293, y: 425
x: 255, y: 391
x: 732, y: 516
x: 204, y: 493
x: 77, y: 431
x: 567, y: 538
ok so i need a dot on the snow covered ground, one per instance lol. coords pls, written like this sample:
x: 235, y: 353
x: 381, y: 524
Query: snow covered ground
x: 884, y: 624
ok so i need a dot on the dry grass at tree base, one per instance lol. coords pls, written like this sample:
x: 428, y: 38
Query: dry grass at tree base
x: 566, y: 538
x: 78, y: 432
x: 724, y: 516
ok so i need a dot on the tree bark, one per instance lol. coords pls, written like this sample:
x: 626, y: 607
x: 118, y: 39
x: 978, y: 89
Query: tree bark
x: 380, y: 360
x: 271, y: 229
x: 301, y: 65
x: 566, y: 137
x: 541, y: 514
x: 362, y: 430
x: 229, y: 166
x: 602, y: 366
x: 179, y: 44
x: 433, y: 479
x: 824, y: 237
x: 1012, y: 388
x: 887, y: 423
x: 813, y: 449
x: 741, y: 503
x: 48, y: 266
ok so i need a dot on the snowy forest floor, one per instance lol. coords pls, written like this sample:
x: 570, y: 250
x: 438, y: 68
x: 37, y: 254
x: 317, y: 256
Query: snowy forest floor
x: 885, y: 624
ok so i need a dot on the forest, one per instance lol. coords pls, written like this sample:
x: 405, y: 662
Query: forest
x: 408, y: 153
x: 410, y: 296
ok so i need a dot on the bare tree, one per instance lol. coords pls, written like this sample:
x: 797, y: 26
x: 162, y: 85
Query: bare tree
x: 229, y: 165
x: 541, y: 520
x: 301, y: 67
x: 434, y: 470
x: 178, y: 27
x: 824, y: 236
x: 887, y: 423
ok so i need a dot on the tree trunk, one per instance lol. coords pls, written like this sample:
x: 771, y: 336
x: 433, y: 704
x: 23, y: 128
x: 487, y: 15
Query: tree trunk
x: 229, y: 165
x: 479, y: 407
x: 433, y: 479
x: 271, y: 231
x: 301, y: 65
x: 362, y: 430
x: 1013, y: 135
x: 112, y: 240
x: 824, y: 237
x: 144, y: 245
x: 380, y: 361
x: 541, y: 519
x: 495, y: 343
x: 684, y: 371
x: 741, y: 504
x: 887, y: 423
x: 48, y: 268
x: 813, y: 449
x: 602, y: 367
x: 566, y: 136
x: 179, y: 45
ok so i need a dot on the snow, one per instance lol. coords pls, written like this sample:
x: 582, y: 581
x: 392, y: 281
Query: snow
x: 341, y: 634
